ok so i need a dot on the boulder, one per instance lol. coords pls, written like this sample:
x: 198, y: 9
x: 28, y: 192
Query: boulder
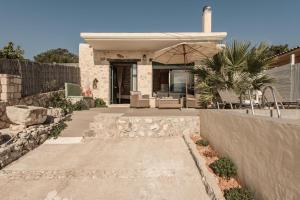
x: 26, y: 115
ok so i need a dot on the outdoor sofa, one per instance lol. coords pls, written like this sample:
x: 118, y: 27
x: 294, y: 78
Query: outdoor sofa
x: 169, y: 102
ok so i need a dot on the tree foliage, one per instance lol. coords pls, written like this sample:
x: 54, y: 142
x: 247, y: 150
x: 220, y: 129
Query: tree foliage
x: 238, y: 67
x: 56, y: 56
x: 11, y: 52
x: 277, y: 49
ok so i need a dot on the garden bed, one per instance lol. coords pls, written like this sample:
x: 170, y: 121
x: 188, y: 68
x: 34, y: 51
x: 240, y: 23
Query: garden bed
x: 219, y: 173
x: 211, y: 156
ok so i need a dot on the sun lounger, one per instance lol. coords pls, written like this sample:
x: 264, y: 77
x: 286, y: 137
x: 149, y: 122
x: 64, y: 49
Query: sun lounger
x: 228, y: 97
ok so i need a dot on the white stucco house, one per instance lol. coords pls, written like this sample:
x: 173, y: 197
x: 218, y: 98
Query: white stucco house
x: 114, y: 62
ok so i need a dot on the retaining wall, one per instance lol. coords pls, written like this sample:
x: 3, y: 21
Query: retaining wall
x: 266, y: 151
x: 41, y: 100
x: 116, y: 125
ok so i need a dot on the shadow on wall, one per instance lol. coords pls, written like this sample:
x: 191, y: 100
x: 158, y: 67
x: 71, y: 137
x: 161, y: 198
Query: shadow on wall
x: 265, y: 150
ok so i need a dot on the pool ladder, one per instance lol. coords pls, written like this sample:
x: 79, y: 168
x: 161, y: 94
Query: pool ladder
x: 263, y: 101
x: 274, y: 98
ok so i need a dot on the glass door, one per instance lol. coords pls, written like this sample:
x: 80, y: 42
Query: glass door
x: 133, y: 77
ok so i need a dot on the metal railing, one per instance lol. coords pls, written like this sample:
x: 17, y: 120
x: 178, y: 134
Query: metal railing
x: 274, y: 98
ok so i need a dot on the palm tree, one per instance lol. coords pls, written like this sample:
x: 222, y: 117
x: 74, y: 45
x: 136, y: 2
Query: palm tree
x: 239, y: 67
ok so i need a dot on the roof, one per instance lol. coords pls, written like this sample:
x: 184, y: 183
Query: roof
x: 147, y: 41
x: 284, y: 57
x: 286, y: 52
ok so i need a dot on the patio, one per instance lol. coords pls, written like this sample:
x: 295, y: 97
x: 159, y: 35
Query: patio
x: 114, y: 168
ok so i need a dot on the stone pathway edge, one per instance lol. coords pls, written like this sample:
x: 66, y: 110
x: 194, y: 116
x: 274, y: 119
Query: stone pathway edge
x: 208, y: 179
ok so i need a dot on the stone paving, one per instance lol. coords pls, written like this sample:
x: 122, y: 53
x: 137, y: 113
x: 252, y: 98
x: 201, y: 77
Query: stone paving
x: 116, y: 168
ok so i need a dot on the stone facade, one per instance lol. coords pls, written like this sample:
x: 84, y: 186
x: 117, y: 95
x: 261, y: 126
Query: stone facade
x: 10, y: 87
x: 95, y: 67
x: 145, y: 79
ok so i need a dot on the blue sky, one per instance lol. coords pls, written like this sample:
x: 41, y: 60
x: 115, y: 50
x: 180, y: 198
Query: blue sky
x: 39, y: 25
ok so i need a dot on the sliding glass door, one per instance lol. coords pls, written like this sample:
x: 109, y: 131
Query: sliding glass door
x: 171, y: 81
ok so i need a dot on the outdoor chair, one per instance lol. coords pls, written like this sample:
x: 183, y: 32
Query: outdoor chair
x: 137, y: 100
x: 228, y: 97
x: 191, y: 102
x: 169, y: 103
x: 74, y: 94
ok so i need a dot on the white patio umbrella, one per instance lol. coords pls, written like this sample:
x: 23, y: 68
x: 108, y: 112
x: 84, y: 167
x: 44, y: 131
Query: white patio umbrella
x: 185, y: 53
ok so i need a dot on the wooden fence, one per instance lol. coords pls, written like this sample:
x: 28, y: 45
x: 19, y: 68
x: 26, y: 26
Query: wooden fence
x: 40, y: 77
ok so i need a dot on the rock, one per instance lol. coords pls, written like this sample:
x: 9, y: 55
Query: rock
x: 55, y: 112
x: 26, y: 115
x: 24, y: 135
x: 14, y: 129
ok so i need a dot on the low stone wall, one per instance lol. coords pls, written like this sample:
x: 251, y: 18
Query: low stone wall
x: 41, y: 100
x: 116, y: 125
x: 10, y: 87
x: 26, y: 140
x: 266, y: 151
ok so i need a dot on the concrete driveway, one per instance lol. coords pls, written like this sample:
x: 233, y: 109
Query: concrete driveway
x: 112, y: 169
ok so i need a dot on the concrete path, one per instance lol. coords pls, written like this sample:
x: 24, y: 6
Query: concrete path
x: 127, y: 169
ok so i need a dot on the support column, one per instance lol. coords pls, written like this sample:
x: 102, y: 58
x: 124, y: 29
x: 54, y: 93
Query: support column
x: 145, y: 79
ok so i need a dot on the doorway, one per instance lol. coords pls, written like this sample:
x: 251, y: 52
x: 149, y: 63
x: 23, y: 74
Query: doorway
x: 123, y: 76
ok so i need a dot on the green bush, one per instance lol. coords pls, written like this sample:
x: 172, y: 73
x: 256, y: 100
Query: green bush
x: 56, y: 130
x: 58, y: 100
x: 100, y: 102
x: 224, y: 167
x: 202, y: 142
x: 80, y: 105
x: 238, y: 194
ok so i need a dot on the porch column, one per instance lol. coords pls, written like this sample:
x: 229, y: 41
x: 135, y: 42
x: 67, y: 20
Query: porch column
x: 144, y: 73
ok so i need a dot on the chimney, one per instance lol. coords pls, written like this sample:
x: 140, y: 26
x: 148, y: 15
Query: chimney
x: 206, y: 19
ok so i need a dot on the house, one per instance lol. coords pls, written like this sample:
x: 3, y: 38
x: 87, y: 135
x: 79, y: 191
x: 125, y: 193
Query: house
x: 113, y: 64
x: 285, y: 69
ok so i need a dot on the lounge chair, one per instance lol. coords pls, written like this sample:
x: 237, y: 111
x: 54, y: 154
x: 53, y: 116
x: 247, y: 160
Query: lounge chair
x: 169, y: 103
x: 137, y: 100
x: 228, y: 97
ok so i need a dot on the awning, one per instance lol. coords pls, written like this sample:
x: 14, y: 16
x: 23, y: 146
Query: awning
x: 146, y: 41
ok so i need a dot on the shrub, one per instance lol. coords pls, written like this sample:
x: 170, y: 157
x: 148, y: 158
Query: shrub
x: 100, y: 102
x: 238, y: 194
x: 56, y: 130
x: 202, y: 142
x: 58, y: 100
x: 80, y: 105
x: 224, y: 167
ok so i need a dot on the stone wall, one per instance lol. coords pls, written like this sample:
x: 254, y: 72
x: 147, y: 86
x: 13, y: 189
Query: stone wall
x: 41, y: 100
x: 25, y: 141
x: 265, y: 150
x: 91, y: 72
x: 10, y: 87
x: 116, y: 125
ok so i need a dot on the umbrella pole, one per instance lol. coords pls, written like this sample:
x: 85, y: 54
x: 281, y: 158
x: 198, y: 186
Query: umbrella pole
x: 186, y: 76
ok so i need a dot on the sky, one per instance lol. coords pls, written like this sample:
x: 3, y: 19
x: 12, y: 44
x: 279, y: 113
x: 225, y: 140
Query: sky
x: 39, y: 25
